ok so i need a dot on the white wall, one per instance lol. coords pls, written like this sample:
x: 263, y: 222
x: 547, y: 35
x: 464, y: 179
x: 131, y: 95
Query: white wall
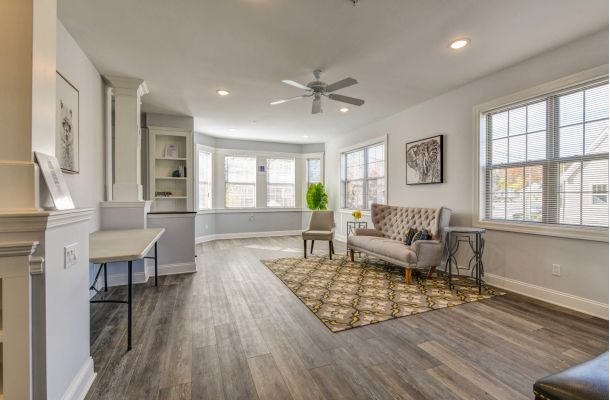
x: 86, y: 187
x: 519, y: 257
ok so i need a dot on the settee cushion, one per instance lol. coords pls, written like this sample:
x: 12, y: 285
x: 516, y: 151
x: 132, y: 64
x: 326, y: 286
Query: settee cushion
x: 383, y: 246
x: 394, y: 221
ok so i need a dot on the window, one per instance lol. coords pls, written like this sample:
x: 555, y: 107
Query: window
x: 240, y: 182
x: 314, y: 172
x: 204, y: 177
x: 546, y: 161
x: 280, y: 182
x: 363, y: 177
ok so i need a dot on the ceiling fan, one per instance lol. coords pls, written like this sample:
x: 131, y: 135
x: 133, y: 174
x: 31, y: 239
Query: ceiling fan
x: 317, y: 89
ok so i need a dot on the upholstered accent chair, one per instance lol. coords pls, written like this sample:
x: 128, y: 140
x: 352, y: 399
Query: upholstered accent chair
x: 386, y: 240
x: 321, y: 227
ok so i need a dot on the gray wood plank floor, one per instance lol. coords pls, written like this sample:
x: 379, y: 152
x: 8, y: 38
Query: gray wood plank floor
x: 234, y: 331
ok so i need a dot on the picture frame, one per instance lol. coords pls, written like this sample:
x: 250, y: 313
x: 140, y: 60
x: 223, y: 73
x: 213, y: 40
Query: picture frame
x: 54, y: 179
x: 424, y: 161
x: 67, y: 128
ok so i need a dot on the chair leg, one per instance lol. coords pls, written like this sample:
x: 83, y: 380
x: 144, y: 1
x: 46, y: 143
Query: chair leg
x: 332, y: 246
x: 305, y: 248
x: 408, y: 275
x: 351, y: 254
x: 330, y: 249
x: 432, y: 269
x: 312, y: 242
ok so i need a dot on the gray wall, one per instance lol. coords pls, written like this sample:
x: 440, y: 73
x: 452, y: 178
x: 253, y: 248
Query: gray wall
x: 254, y: 145
x: 520, y: 257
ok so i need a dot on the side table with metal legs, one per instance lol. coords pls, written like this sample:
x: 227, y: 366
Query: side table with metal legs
x: 454, y: 236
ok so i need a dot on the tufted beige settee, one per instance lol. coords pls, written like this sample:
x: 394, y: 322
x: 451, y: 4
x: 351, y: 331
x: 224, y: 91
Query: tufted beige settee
x: 386, y: 240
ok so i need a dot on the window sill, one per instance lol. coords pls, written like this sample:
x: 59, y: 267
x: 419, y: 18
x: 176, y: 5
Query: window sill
x: 588, y: 233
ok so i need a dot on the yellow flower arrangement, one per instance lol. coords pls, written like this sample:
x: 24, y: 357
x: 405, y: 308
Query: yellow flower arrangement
x: 357, y: 214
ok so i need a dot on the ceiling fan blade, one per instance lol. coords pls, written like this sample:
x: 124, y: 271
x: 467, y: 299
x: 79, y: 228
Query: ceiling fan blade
x: 289, y: 99
x: 316, y: 107
x: 346, y: 99
x: 295, y: 84
x: 341, y: 84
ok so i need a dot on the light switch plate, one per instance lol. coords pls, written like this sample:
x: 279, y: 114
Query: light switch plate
x: 70, y: 255
x: 556, y: 270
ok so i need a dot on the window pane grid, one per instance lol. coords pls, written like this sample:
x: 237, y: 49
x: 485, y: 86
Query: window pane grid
x: 554, y: 175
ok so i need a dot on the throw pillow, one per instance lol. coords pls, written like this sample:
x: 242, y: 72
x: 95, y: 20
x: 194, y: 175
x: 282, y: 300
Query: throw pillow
x: 421, y: 235
x: 409, y: 234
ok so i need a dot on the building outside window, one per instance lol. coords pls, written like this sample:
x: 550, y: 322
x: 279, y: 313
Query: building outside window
x: 204, y: 179
x: 363, y: 177
x: 280, y: 182
x: 314, y: 173
x: 240, y: 182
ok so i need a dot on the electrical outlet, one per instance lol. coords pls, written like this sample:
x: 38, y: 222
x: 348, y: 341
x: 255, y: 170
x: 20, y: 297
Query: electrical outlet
x: 556, y: 269
x: 70, y: 255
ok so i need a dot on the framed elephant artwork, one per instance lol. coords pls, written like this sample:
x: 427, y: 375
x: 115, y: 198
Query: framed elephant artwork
x: 425, y: 161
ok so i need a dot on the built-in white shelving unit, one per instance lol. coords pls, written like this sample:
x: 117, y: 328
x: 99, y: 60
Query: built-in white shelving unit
x: 171, y: 169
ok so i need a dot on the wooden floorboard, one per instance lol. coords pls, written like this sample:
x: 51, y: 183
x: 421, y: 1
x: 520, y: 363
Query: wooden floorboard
x: 233, y: 330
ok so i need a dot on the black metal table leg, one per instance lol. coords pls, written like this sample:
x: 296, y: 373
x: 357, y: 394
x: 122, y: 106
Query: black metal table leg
x: 105, y: 277
x: 129, y: 282
x: 156, y: 266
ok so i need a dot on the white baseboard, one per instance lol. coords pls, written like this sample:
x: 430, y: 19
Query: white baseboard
x: 173, y: 269
x: 562, y: 299
x: 244, y: 235
x: 81, y: 383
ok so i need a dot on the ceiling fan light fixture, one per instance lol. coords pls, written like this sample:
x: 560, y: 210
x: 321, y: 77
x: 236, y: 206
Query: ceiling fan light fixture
x: 459, y: 43
x: 222, y: 92
x: 344, y: 109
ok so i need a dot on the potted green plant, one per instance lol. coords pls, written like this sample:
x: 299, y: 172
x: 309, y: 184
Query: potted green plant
x: 317, y: 199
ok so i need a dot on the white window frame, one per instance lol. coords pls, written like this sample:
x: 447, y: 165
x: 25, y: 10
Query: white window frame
x: 585, y: 232
x: 363, y: 145
x: 201, y: 148
x: 307, y: 160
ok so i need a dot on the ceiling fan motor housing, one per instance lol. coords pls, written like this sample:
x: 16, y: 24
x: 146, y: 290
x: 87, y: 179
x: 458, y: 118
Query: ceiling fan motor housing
x: 317, y: 86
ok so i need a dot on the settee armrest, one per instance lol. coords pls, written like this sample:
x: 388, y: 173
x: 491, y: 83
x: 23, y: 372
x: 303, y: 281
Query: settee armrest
x: 368, y: 232
x: 429, y: 252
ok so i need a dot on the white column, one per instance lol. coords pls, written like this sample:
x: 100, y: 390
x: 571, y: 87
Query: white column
x: 27, y: 98
x: 127, y: 141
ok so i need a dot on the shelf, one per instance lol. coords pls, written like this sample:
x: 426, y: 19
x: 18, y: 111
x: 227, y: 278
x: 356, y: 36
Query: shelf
x: 172, y: 158
x: 171, y: 177
x: 169, y: 197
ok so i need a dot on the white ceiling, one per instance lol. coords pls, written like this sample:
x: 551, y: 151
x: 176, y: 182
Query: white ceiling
x: 396, y: 49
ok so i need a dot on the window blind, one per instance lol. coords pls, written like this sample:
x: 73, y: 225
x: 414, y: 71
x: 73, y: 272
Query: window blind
x: 280, y: 182
x: 546, y: 159
x: 240, y: 182
x: 204, y: 179
x: 363, y: 177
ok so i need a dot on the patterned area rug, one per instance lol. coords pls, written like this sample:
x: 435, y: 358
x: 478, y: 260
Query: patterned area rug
x: 345, y: 294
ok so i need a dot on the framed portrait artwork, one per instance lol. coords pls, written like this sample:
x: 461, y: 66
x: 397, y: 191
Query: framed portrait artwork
x: 67, y: 125
x: 425, y: 161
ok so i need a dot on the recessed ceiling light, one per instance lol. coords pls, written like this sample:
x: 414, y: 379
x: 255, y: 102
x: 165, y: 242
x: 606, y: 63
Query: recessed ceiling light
x: 232, y: 129
x: 222, y: 92
x: 305, y: 136
x: 459, y: 43
x: 344, y: 109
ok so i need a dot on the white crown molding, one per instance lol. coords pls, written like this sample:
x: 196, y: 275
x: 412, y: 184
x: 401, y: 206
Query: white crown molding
x: 11, y: 222
x: 250, y: 210
x: 15, y: 249
x: 36, y: 265
x: 127, y: 86
x: 67, y: 217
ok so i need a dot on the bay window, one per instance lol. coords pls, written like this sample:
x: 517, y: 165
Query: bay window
x: 240, y: 182
x: 280, y: 182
